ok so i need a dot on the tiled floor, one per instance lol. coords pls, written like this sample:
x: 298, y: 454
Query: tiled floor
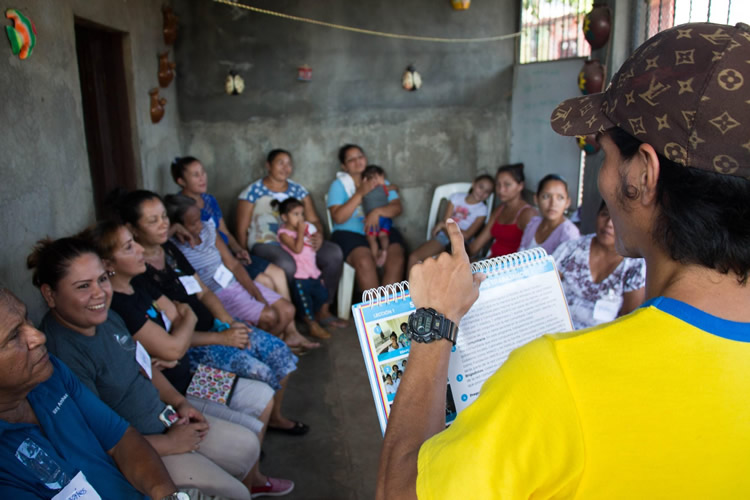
x: 338, y: 458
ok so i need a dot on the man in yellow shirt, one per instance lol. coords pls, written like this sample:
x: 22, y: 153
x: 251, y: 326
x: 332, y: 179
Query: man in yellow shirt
x: 655, y: 404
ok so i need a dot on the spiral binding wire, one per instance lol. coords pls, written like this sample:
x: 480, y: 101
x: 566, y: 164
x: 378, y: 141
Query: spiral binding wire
x: 513, y: 260
x: 385, y: 294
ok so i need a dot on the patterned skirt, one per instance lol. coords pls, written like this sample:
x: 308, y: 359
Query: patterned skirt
x: 267, y: 358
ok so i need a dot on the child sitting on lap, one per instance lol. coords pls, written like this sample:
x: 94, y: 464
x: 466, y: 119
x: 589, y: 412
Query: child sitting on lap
x: 377, y: 198
x: 309, y: 293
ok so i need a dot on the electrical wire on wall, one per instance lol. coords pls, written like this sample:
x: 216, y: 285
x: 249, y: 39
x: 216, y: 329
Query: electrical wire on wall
x: 366, y: 31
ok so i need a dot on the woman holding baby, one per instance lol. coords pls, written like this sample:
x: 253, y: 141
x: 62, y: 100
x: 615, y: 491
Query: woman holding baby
x: 258, y: 222
x: 351, y: 224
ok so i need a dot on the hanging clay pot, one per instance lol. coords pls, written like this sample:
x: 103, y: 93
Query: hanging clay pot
x: 597, y: 26
x: 461, y: 4
x: 157, y: 105
x: 170, y: 25
x: 591, y: 77
x: 588, y: 143
x: 166, y: 70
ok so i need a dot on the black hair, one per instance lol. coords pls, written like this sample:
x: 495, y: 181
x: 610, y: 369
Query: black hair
x: 103, y: 236
x: 276, y: 152
x: 702, y: 217
x: 126, y: 206
x: 346, y: 147
x: 177, y: 205
x: 602, y: 206
x: 287, y: 205
x: 484, y: 177
x: 49, y: 259
x: 372, y: 171
x: 179, y: 165
x: 393, y: 334
x: 403, y: 325
x: 549, y: 178
x: 514, y: 169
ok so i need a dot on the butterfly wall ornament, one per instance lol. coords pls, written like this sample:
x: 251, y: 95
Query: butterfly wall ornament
x: 234, y: 84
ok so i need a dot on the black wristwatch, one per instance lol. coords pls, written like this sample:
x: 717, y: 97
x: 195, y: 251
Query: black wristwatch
x: 427, y: 325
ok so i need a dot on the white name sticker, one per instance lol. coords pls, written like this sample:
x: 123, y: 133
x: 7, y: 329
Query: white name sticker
x: 165, y: 319
x: 141, y: 355
x: 223, y: 276
x: 606, y: 309
x: 78, y: 489
x: 190, y: 284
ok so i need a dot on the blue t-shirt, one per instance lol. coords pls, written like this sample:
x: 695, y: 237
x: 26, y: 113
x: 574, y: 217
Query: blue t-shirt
x: 356, y: 223
x: 212, y: 211
x: 82, y: 429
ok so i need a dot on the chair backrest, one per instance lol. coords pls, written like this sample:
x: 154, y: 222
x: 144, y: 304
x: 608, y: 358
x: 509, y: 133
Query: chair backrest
x: 328, y: 214
x: 445, y: 191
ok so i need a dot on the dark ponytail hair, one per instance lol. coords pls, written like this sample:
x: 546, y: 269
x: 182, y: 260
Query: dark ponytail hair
x: 126, y: 206
x: 179, y: 165
x: 287, y: 205
x: 102, y: 236
x: 549, y: 178
x: 515, y: 170
x: 50, y: 259
x: 276, y: 152
x: 177, y: 205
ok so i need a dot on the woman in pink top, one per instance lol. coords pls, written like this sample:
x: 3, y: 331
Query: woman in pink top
x: 308, y: 292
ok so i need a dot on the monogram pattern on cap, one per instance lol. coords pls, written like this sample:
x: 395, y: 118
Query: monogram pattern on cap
x: 724, y: 122
x: 725, y: 164
x: 675, y: 152
x: 730, y: 79
x: 683, y: 91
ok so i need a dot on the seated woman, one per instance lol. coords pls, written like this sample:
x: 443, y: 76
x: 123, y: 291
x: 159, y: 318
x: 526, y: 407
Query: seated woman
x: 349, y: 221
x: 227, y: 278
x: 213, y: 455
x: 552, y: 227
x: 599, y: 284
x: 189, y: 174
x: 467, y: 209
x: 145, y: 216
x: 257, y: 224
x: 160, y: 325
x: 508, y: 221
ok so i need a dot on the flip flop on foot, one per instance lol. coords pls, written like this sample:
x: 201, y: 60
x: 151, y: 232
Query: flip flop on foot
x: 297, y: 429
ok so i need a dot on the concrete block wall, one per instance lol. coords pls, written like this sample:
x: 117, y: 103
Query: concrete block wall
x: 453, y: 128
x: 46, y: 183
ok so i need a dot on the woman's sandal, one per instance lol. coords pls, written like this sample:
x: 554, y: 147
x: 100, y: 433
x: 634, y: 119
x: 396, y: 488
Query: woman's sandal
x: 298, y: 429
x: 333, y: 321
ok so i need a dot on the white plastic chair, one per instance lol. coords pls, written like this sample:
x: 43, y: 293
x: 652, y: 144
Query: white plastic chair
x: 346, y: 283
x: 445, y: 191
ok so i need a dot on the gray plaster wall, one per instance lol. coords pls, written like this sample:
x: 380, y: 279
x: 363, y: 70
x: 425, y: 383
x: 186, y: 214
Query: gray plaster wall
x: 46, y: 188
x: 455, y: 127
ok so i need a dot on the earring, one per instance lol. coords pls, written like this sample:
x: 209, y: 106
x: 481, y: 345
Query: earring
x: 110, y: 273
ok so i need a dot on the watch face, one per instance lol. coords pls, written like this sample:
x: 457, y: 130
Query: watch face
x: 421, y: 325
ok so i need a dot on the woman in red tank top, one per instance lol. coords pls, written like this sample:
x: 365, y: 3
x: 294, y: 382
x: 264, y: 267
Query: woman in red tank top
x: 508, y: 221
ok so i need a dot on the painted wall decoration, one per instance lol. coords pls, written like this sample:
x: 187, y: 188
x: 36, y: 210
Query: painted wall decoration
x: 157, y: 105
x: 170, y: 25
x: 591, y: 77
x: 411, y: 80
x: 588, y: 143
x: 234, y: 84
x: 304, y: 73
x: 166, y: 69
x: 597, y: 26
x: 22, y: 34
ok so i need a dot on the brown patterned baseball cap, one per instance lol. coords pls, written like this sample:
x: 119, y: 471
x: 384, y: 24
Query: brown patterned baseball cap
x: 685, y: 91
